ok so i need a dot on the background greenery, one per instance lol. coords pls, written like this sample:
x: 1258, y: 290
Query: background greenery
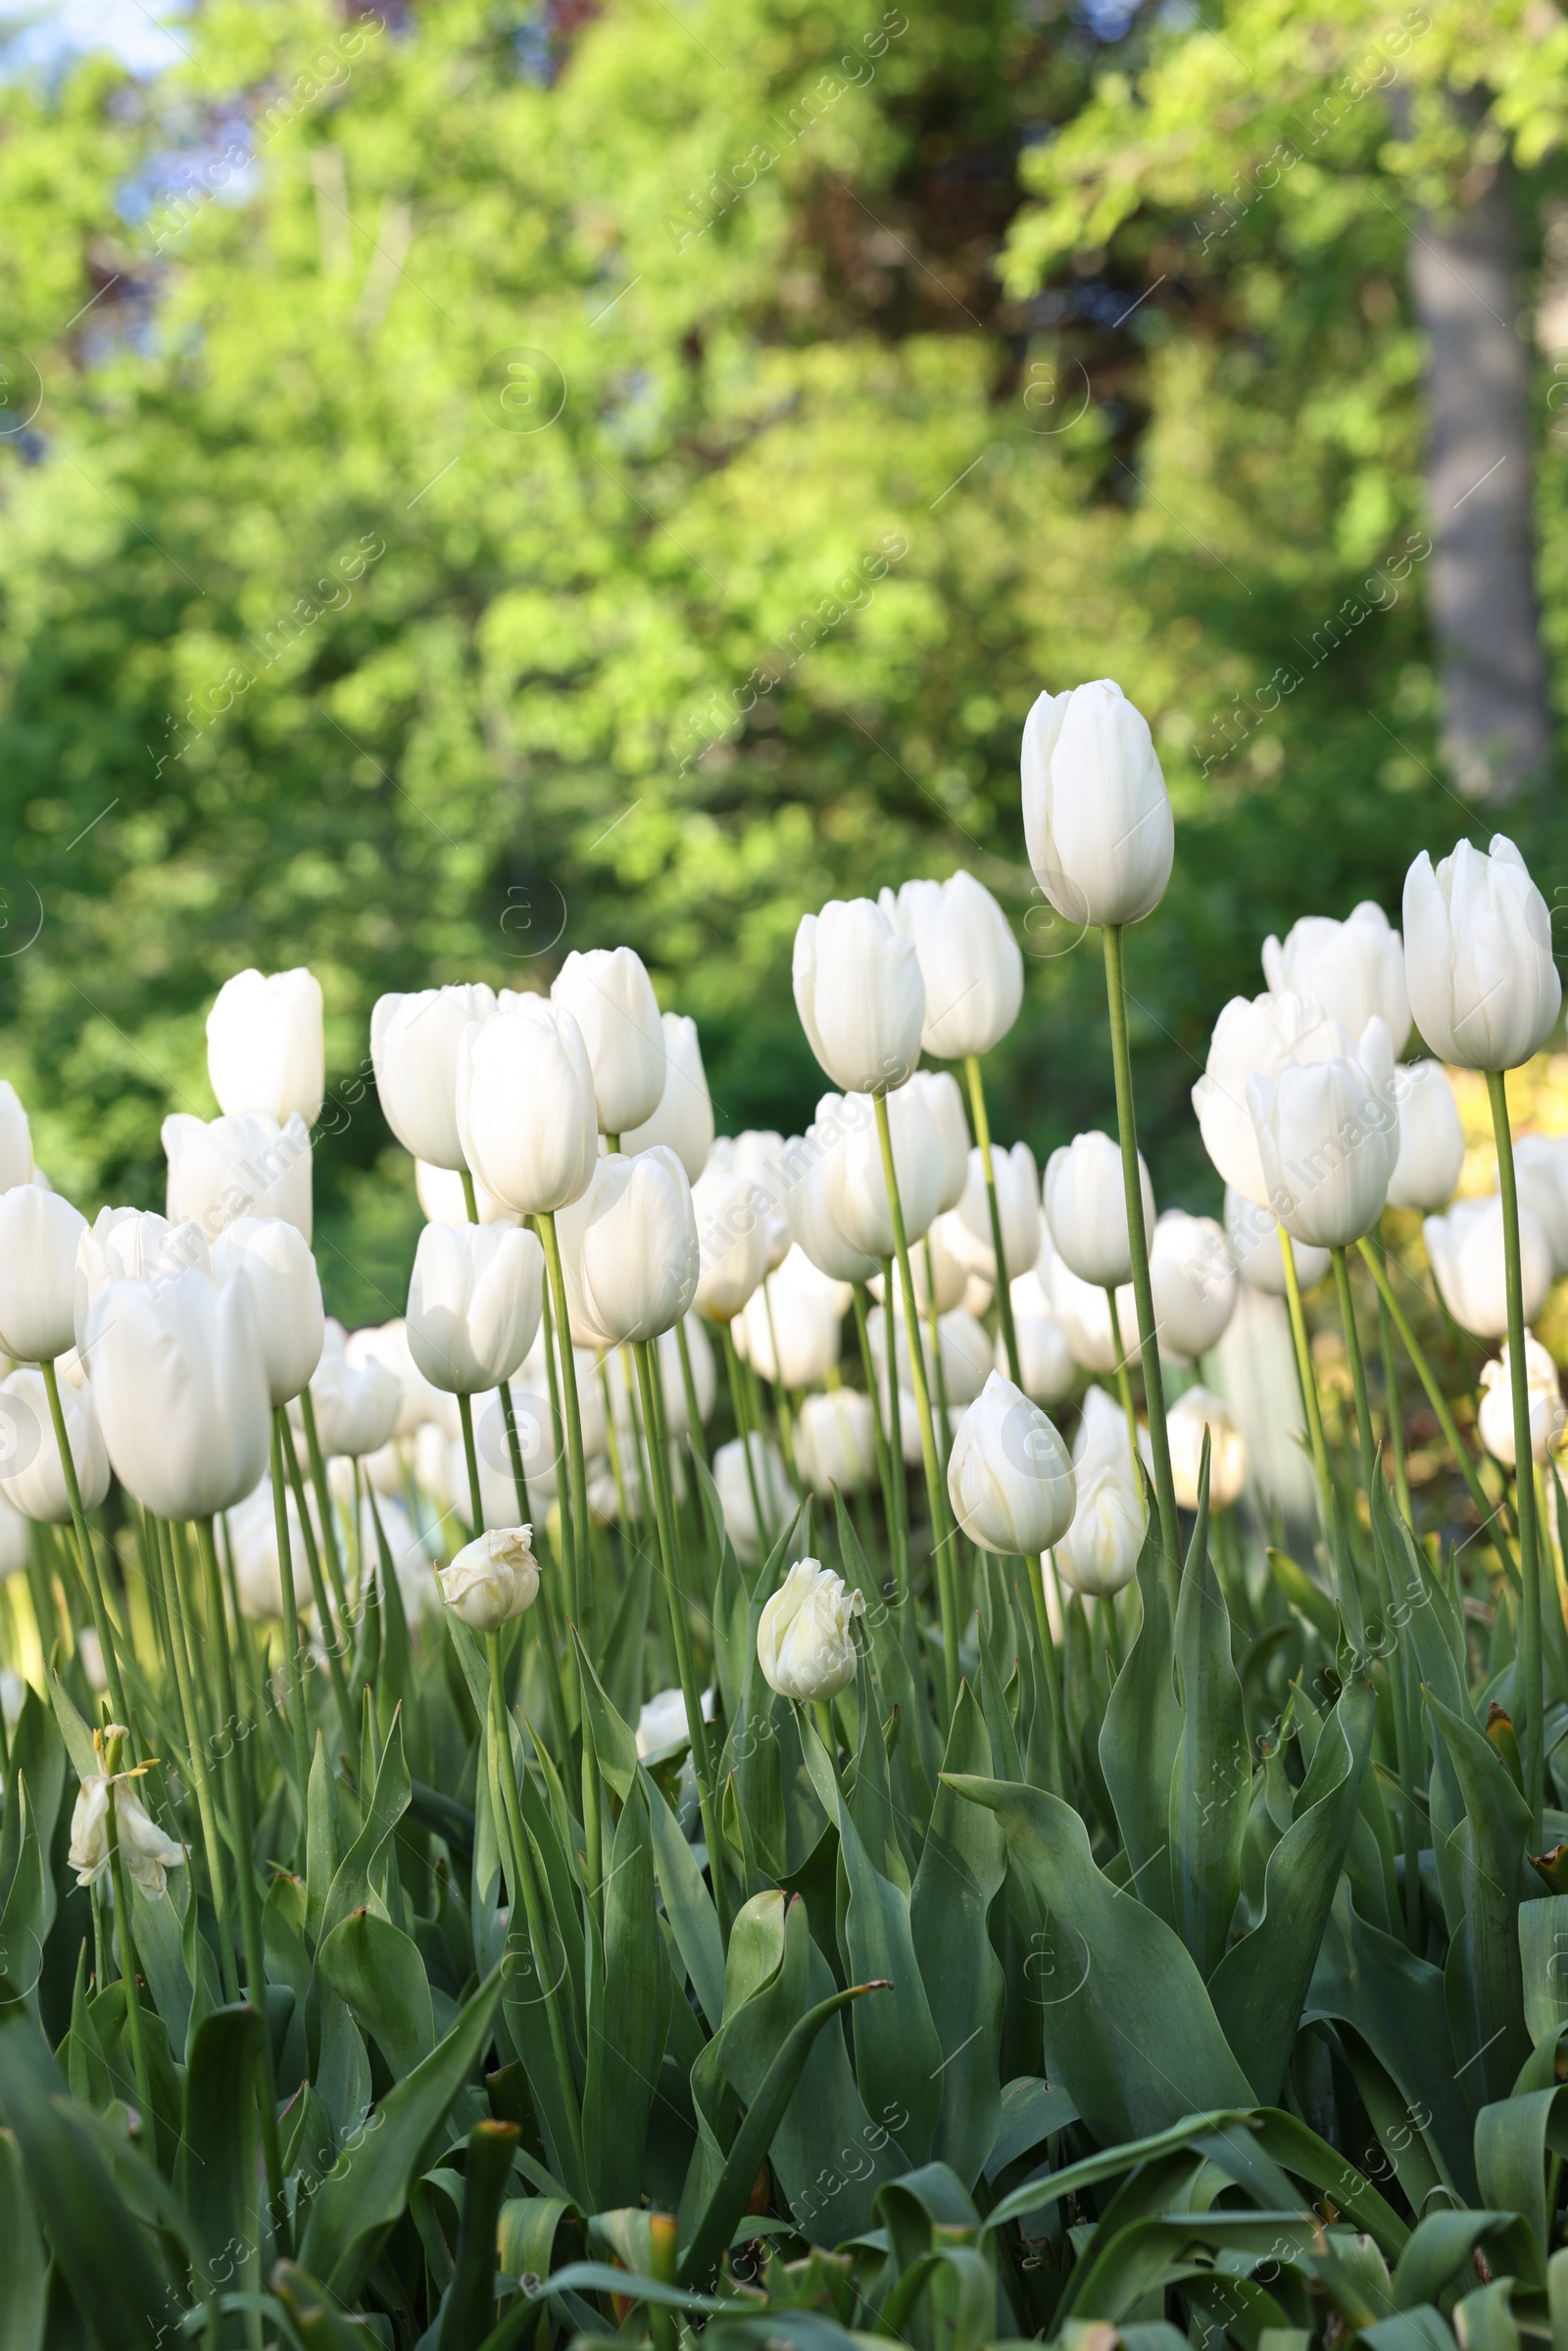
x: 842, y: 437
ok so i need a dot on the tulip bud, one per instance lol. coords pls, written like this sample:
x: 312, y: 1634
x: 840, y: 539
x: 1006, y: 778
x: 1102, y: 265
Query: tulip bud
x: 31, y: 1477
x: 969, y: 962
x: 630, y: 1251
x: 860, y: 995
x: 1254, y: 1235
x: 1431, y: 1137
x: 1084, y: 1314
x: 1194, y: 1412
x: 474, y: 1302
x: 789, y: 1328
x: 1354, y: 969
x: 945, y: 1105
x: 1545, y: 1400
x: 758, y: 1155
x: 16, y: 1140
x: 803, y: 1642
x: 1044, y: 1348
x: 1194, y: 1280
x: 684, y: 1116
x: 1010, y: 1477
x: 607, y: 991
x: 811, y: 1210
x: 857, y: 1180
x: 222, y: 1168
x: 442, y: 1198
x: 274, y: 1259
x: 732, y: 1236
x: 387, y: 1344
x: 966, y: 1353
x: 1257, y: 1037
x: 1541, y: 1168
x: 414, y: 1047
x: 131, y: 1244
x: 180, y: 1391
x: 16, y: 1545
x: 1484, y: 988
x: 1098, y: 1554
x: 835, y: 1440
x: 663, y: 1725
x: 1469, y: 1264
x: 969, y: 1234
x: 1328, y: 1139
x: 1102, y: 1436
x: 492, y: 1579
x: 38, y: 1237
x: 1085, y: 1209
x: 934, y: 1254
x: 264, y: 1047
x: 1097, y: 818
x: 252, y: 1544
x: 525, y: 1115
x: 774, y: 1491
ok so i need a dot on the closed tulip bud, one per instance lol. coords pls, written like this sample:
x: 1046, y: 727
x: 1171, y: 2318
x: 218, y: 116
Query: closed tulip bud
x: 274, y: 1259
x: 812, y: 1223
x: 1010, y: 1477
x: 1545, y: 1397
x: 180, y: 1391
x: 492, y: 1579
x: 134, y: 1245
x: 732, y: 1237
x: 414, y: 1047
x: 663, y: 1725
x: 1257, y: 1037
x: 1254, y: 1235
x: 145, y: 1852
x: 945, y: 1105
x: 1102, y: 1436
x: 630, y: 1251
x: 684, y: 1116
x: 1045, y: 1350
x: 474, y: 1302
x: 759, y: 1154
x: 966, y: 1353
x: 264, y: 1046
x: 607, y: 993
x: 442, y: 1198
x: 857, y: 1180
x: 1099, y: 1551
x: 805, y: 1644
x: 1431, y: 1137
x: 1328, y: 1137
x: 1484, y: 988
x: 773, y: 1489
x: 38, y: 1237
x: 15, y: 1546
x: 935, y: 1254
x: 32, y: 1476
x: 387, y: 1344
x: 969, y: 962
x: 1194, y: 1412
x: 525, y: 1111
x: 1086, y: 1210
x: 1084, y: 1314
x: 1194, y: 1280
x: 252, y: 1544
x: 969, y: 1230
x: 1541, y: 1167
x: 1097, y: 818
x: 860, y: 995
x: 835, y: 1440
x: 789, y: 1328
x: 16, y: 1139
x: 1468, y: 1261
x: 222, y: 1168
x: 1354, y: 969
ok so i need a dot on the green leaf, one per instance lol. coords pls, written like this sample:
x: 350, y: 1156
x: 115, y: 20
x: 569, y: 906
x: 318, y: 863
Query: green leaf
x: 625, y: 2032
x: 23, y: 2260
x: 525, y: 2235
x: 962, y: 1865
x: 1513, y: 2137
x: 1305, y: 1595
x: 1483, y: 1980
x: 1140, y: 1738
x: 1212, y: 1782
x: 1544, y: 1966
x: 689, y: 1907
x: 24, y: 1921
x: 351, y: 1887
x: 324, y: 1840
x: 1442, y: 2246
x: 377, y: 1970
x: 614, y: 1744
x: 216, y: 2173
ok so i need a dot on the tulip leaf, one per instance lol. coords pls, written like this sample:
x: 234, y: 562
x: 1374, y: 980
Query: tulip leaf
x: 1513, y: 2136
x: 621, y: 1672
x: 216, y: 2171
x: 1483, y: 1977
x: 24, y: 2264
x: 1141, y: 1736
x: 688, y: 1906
x: 39, y: 1756
x: 1544, y: 1966
x: 23, y: 1919
x: 1211, y: 1785
x: 615, y: 1742
x: 963, y: 1866
x: 626, y: 2041
x: 351, y: 1887
x: 1305, y: 1595
x: 377, y: 1970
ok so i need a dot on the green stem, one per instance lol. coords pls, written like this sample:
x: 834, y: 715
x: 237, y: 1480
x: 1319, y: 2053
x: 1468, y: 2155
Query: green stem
x: 331, y: 1636
x: 688, y: 1382
x: 743, y: 1430
x: 519, y: 1481
x: 938, y: 1368
x: 470, y: 1456
x: 1391, y: 1394
x: 581, y: 1563
x: 1124, y: 1378
x: 1051, y: 1671
x: 291, y: 1614
x: 176, y: 1603
x: 1531, y: 1659
x: 123, y: 1934
x: 323, y: 1498
x: 1308, y: 1379
x: 884, y: 1471
x: 982, y: 1136
x: 87, y: 1554
x: 1138, y: 1241
x: 1352, y: 1347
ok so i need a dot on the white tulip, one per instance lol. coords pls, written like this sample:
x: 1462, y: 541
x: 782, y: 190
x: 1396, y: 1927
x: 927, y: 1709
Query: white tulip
x: 1541, y: 1169
x: 935, y: 1254
x: 1193, y: 1276
x: 16, y: 1545
x: 1196, y: 1411
x: 253, y: 1545
x: 145, y: 1850
x: 265, y: 1045
x: 131, y: 1244
x: 222, y: 1168
x: 1254, y: 1235
x: 945, y: 1105
x: 1258, y: 1036
x: 1099, y: 1551
x: 474, y: 1302
x: 1431, y: 1137
x: 805, y: 1644
x: 1009, y: 1476
x: 774, y: 1488
x: 860, y: 995
x: 759, y: 1154
x: 180, y: 1391
x: 32, y: 1476
x: 1543, y: 1399
x: 969, y: 962
x: 16, y: 1139
x: 525, y: 1118
x: 414, y: 1047
x: 39, y: 1234
x: 810, y: 1199
x: 274, y: 1259
x: 857, y: 1181
x: 1044, y: 1348
x: 835, y: 1440
x: 1328, y: 1139
x: 1097, y: 818
x: 1084, y: 1312
x: 1016, y: 1175
x: 803, y: 1312
x: 663, y: 1725
x: 1468, y: 1261
x: 1484, y: 988
x: 1353, y: 968
x: 1102, y: 1439
x: 630, y: 1251
x: 684, y: 1117
x: 492, y: 1579
x: 732, y: 1236
x: 607, y: 993
x: 442, y: 1198
x: 356, y: 1406
x: 1085, y: 1209
x: 387, y: 1344
x: 966, y: 1353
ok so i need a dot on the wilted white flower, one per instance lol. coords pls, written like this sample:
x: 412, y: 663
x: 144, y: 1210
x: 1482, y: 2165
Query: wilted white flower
x: 145, y: 1850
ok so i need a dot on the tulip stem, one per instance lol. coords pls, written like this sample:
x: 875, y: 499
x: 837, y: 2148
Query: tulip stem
x: 1309, y: 1380
x: 330, y: 1637
x: 1137, y: 1243
x: 581, y: 1563
x: 786, y: 1422
x: 1352, y: 1347
x: 1050, y: 1694
x: 178, y: 1606
x: 324, y: 1497
x: 938, y: 1368
x: 743, y: 1430
x: 689, y: 1383
x: 470, y: 1456
x: 1391, y: 1394
x: 941, y: 1533
x: 901, y: 1581
x: 519, y: 1480
x: 982, y: 1136
x: 1531, y: 1661
x: 1124, y: 1378
x: 85, y: 1552
x: 291, y: 1614
x: 123, y: 1936
x: 469, y: 1197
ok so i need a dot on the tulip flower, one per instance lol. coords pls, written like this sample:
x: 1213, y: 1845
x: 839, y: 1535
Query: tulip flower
x: 835, y: 1440
x: 801, y: 1311
x: 1045, y: 1350
x: 131, y: 1244
x: 1541, y: 1166
x: 474, y: 1302
x: 356, y: 1407
x: 1097, y: 818
x: 1469, y: 1262
x: 811, y: 1211
x: 684, y: 1116
x: 630, y: 1249
x: 860, y: 995
x: 938, y: 1255
x: 492, y: 1579
x: 945, y: 1105
x: 442, y: 1196
x: 264, y: 1046
x: 758, y: 1155
x: 1257, y: 1037
x: 1194, y: 1412
x: 1547, y: 1414
x: 1017, y: 1181
x: 966, y: 1353
x: 805, y: 1644
x: 1484, y: 988
x: 662, y: 1724
x: 1086, y: 1210
x: 147, y: 1852
x: 180, y: 1391
x: 16, y: 1545
x: 734, y: 1484
x: 607, y: 993
x: 1328, y: 1140
x: 525, y: 1115
x: 856, y: 1180
x: 275, y: 1260
x: 1084, y: 1314
x: 222, y: 1168
x: 969, y: 962
x: 16, y: 1139
x: 1099, y: 1551
x: 252, y: 1544
x: 1352, y: 970
x: 414, y: 1049
x: 732, y: 1236
x: 387, y: 1344
x: 1253, y: 1237
x: 1431, y: 1137
x: 1102, y: 1436
x: 1010, y: 1475
x: 39, y: 1233
x: 32, y: 1477
x: 1193, y: 1279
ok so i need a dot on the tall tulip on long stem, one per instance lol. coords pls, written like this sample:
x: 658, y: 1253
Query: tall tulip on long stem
x: 1531, y: 1659
x: 582, y: 1565
x: 982, y: 1136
